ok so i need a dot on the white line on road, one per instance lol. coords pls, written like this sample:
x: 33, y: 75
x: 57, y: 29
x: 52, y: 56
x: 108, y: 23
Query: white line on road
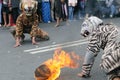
x: 57, y: 45
x: 64, y: 46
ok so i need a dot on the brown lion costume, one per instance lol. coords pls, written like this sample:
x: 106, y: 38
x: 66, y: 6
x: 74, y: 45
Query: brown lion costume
x: 27, y: 22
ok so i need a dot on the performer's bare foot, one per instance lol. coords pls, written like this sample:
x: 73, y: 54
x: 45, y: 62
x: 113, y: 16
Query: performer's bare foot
x: 82, y: 75
x: 17, y: 42
x: 33, y: 41
x: 116, y: 78
x: 17, y: 45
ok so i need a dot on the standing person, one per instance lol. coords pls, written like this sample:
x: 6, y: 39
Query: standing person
x: 58, y: 11
x: 52, y: 10
x: 111, y: 6
x: 46, y: 12
x: 0, y: 13
x: 5, y: 11
x: 39, y: 10
x: 14, y: 11
x: 64, y: 10
x: 71, y: 6
x: 90, y: 6
x: 81, y: 5
x: 9, y: 13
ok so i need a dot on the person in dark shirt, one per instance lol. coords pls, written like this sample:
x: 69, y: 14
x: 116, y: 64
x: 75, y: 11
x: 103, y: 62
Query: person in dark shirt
x: 90, y: 7
x: 58, y: 11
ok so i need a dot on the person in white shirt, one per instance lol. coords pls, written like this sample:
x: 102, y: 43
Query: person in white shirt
x: 71, y: 6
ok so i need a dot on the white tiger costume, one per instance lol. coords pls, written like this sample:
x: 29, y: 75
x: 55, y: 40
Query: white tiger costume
x: 103, y: 37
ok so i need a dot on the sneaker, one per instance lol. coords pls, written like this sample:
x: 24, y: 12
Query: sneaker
x: 111, y: 16
x: 49, y: 21
x: 0, y: 25
x: 103, y: 16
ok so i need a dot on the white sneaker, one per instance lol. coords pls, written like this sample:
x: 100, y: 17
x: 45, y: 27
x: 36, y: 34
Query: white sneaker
x: 103, y: 16
x: 0, y: 25
x: 111, y: 16
x: 49, y: 21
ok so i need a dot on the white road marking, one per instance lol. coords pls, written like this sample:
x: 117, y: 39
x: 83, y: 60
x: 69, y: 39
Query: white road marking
x: 64, y: 46
x: 53, y: 47
x: 57, y: 45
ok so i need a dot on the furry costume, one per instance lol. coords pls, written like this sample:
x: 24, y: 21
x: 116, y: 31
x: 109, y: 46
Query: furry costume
x: 27, y: 22
x: 103, y: 37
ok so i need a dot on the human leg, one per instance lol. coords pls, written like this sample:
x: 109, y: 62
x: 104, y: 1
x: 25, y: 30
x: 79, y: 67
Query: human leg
x: 70, y: 13
x: 112, y: 10
x: 42, y: 34
x: 0, y: 14
x: 87, y: 65
x: 5, y: 19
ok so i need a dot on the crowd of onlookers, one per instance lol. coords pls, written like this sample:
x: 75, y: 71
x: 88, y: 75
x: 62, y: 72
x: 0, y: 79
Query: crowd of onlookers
x: 9, y: 11
x: 61, y: 10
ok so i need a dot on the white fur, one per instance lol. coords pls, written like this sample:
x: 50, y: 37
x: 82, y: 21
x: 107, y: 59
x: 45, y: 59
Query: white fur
x: 90, y: 24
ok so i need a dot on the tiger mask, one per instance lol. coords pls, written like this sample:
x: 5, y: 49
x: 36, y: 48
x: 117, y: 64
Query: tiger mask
x: 89, y: 25
x: 29, y: 7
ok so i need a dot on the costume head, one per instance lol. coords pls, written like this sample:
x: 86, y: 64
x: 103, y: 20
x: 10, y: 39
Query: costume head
x: 90, y: 24
x: 29, y: 7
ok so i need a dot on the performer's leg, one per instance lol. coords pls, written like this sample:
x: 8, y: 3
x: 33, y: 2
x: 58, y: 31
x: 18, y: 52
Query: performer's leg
x: 87, y: 65
x: 42, y: 35
x: 13, y: 32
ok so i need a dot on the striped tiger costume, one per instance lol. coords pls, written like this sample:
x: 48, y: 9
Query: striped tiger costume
x: 103, y: 37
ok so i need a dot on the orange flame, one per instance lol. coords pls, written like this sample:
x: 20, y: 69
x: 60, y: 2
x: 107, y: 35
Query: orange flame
x: 60, y: 60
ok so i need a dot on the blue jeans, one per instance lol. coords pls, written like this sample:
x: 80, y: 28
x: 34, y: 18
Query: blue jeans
x: 71, y: 10
x: 0, y: 13
x: 81, y: 11
x: 112, y: 10
x: 108, y: 10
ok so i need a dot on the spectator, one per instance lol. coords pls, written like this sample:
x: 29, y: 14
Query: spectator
x: 90, y: 7
x: 109, y: 9
x: 52, y: 10
x: 64, y: 10
x: 81, y: 11
x: 71, y: 6
x: 46, y: 11
x: 117, y: 14
x: 58, y: 11
x: 0, y: 13
x: 39, y: 10
x: 14, y: 10
x: 98, y: 9
x: 5, y: 11
x: 111, y: 6
x: 117, y: 4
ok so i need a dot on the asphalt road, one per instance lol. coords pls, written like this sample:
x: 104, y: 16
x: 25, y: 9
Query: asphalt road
x: 20, y: 63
